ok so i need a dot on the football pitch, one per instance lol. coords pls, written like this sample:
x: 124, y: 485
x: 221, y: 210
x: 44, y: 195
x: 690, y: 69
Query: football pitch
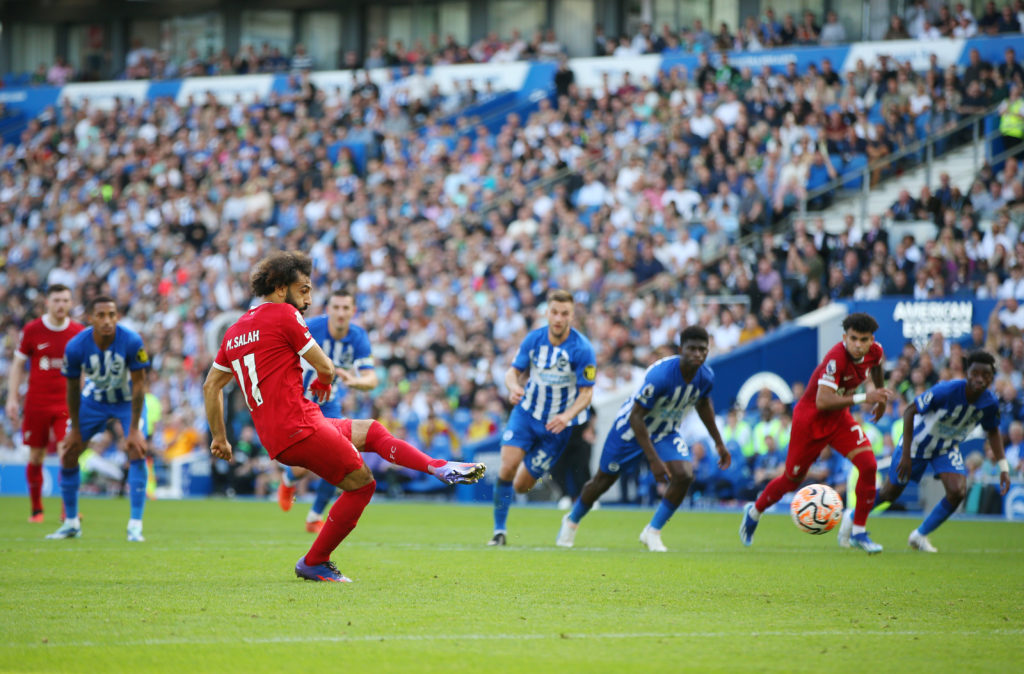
x: 213, y: 589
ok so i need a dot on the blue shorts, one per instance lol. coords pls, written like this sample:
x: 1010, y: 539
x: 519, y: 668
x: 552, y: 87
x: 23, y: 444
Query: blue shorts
x: 543, y: 448
x: 93, y: 417
x: 949, y: 462
x: 619, y: 454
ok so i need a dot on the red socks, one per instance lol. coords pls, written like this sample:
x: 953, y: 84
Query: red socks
x: 773, y: 492
x: 865, y: 490
x: 390, y: 448
x: 341, y: 520
x: 34, y: 477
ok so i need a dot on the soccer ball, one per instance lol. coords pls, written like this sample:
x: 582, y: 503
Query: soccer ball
x: 816, y: 509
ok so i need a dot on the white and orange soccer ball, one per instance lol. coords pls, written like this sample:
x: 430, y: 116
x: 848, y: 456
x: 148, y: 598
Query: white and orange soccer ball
x: 816, y: 509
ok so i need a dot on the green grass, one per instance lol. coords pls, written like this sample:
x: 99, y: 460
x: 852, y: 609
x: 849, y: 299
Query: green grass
x: 212, y: 589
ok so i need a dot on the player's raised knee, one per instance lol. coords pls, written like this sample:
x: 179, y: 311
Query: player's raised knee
x: 357, y: 479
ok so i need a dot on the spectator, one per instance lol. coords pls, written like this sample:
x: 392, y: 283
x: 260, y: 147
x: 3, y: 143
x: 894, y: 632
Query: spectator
x: 832, y: 32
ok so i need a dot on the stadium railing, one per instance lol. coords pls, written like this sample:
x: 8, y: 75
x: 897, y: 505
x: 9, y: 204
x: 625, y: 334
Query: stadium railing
x: 925, y: 147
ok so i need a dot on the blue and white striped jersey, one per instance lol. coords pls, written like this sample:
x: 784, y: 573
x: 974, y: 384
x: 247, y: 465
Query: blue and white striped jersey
x: 556, y: 373
x: 350, y: 352
x: 107, y: 371
x: 944, y: 418
x: 667, y: 396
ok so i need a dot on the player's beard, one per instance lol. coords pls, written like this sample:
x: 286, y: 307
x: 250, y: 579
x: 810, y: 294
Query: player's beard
x: 291, y: 299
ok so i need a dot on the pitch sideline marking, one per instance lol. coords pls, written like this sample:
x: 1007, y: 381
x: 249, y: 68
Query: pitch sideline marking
x: 506, y: 637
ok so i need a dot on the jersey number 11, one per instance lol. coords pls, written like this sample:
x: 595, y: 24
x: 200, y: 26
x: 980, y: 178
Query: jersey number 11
x: 253, y: 398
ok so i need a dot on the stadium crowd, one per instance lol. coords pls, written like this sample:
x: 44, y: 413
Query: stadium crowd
x: 633, y: 197
x: 921, y: 20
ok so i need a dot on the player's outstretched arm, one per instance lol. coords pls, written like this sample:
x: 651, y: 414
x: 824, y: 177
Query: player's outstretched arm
x: 995, y: 441
x: 213, y: 399
x: 706, y: 412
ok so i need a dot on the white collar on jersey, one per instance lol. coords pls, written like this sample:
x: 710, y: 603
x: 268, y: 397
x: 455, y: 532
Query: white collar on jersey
x: 50, y: 325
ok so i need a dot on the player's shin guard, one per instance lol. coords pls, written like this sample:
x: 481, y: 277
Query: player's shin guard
x: 70, y: 480
x: 502, y: 500
x: 399, y: 452
x: 939, y: 514
x: 341, y: 520
x: 774, y: 491
x: 34, y: 478
x: 324, y: 493
x: 137, y: 474
x: 865, y: 489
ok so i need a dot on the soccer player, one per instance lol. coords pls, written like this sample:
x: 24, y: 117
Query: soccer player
x: 261, y: 350
x: 45, y: 421
x: 557, y: 365
x: 941, y: 418
x: 114, y: 361
x: 348, y: 347
x: 648, y: 425
x: 822, y: 417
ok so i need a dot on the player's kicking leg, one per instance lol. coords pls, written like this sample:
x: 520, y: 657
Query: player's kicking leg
x: 369, y: 435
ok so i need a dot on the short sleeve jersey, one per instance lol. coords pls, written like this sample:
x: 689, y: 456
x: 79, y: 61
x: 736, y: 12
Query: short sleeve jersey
x: 556, y: 373
x: 262, y: 350
x: 44, y: 348
x: 107, y: 371
x: 945, y: 418
x: 839, y: 372
x: 350, y: 352
x: 667, y: 398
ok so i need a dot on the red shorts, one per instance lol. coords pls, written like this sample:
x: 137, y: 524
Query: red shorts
x: 844, y: 436
x: 329, y: 452
x: 44, y: 427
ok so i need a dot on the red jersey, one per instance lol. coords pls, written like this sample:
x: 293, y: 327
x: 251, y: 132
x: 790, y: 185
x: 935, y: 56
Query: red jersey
x: 262, y: 349
x: 44, y: 348
x: 840, y: 373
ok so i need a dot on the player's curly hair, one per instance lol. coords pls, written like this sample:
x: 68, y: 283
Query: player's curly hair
x: 695, y: 333
x: 860, y: 322
x: 982, y: 357
x: 279, y: 269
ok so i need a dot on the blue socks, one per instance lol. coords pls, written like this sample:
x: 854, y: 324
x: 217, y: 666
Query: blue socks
x: 578, y: 511
x: 137, y: 474
x: 662, y: 514
x: 70, y: 479
x: 324, y: 494
x: 288, y: 477
x: 939, y: 514
x: 502, y: 500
